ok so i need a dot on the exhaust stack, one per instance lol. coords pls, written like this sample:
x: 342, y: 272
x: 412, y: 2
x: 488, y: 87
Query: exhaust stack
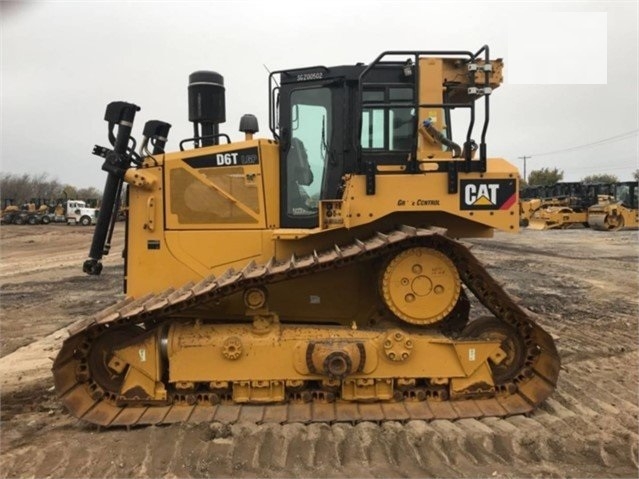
x: 206, y: 106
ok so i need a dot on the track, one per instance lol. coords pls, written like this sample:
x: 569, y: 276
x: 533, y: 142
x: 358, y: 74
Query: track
x: 531, y: 386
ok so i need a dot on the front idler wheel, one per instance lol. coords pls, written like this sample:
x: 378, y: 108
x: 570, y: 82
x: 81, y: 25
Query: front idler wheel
x: 101, y: 354
x: 491, y: 329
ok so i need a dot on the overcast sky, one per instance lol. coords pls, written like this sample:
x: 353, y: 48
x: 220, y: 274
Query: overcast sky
x: 62, y: 62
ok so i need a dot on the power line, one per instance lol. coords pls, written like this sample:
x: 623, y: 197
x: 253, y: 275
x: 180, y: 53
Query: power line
x: 613, y: 166
x: 621, y: 136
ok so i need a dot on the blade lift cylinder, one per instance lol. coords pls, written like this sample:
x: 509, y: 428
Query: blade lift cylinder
x: 115, y: 164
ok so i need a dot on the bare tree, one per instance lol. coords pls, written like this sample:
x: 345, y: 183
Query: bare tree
x: 20, y: 189
x: 89, y: 193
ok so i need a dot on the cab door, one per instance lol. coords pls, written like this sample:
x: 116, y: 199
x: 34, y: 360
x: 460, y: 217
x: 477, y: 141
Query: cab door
x: 311, y: 149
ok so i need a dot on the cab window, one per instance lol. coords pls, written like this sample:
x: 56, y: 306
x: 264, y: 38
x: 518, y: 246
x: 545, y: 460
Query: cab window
x: 385, y: 127
x: 305, y: 159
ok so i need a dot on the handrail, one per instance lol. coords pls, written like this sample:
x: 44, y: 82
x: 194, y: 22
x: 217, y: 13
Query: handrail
x: 381, y: 61
x: 204, y: 137
x: 415, y: 54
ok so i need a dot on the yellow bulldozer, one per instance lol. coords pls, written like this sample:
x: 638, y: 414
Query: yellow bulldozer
x: 314, y: 276
x: 616, y: 211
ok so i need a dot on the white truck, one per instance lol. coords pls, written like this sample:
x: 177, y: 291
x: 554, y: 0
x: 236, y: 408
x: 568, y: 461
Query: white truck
x: 77, y: 212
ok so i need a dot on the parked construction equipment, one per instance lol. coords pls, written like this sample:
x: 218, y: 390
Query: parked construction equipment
x: 315, y: 275
x: 617, y: 211
x: 613, y: 206
x: 568, y: 207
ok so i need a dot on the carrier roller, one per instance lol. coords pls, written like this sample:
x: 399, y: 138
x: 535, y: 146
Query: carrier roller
x: 135, y: 363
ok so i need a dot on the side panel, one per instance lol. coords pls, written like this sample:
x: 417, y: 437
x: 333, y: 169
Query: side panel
x: 211, y: 252
x: 150, y: 265
x: 217, y: 187
x: 483, y: 199
x: 206, y: 210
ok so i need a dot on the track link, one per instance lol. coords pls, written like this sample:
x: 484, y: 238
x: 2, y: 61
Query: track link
x: 530, y: 386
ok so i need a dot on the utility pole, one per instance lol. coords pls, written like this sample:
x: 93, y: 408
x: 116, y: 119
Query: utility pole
x: 524, y: 158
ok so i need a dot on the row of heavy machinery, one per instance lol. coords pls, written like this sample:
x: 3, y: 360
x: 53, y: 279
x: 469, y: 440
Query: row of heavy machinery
x: 44, y: 212
x: 315, y: 275
x: 601, y: 206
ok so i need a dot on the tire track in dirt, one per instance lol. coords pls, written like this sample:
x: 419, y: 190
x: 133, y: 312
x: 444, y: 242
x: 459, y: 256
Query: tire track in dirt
x: 52, y: 306
x: 536, y: 445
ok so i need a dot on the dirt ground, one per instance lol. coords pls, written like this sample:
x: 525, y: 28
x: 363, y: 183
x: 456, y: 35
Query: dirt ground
x: 582, y: 284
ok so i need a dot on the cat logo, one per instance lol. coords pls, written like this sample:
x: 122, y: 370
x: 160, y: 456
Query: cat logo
x: 487, y: 195
x: 481, y: 195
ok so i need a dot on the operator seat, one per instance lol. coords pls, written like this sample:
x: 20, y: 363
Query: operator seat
x: 299, y: 174
x: 299, y: 168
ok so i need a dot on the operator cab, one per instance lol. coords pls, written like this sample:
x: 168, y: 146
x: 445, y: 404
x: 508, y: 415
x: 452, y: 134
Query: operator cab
x: 332, y: 121
x: 319, y: 119
x: 626, y: 193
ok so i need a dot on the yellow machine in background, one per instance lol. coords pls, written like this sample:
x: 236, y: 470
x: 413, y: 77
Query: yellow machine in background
x: 617, y: 211
x: 527, y: 208
x: 558, y: 217
x: 568, y: 206
x: 315, y: 274
x: 532, y: 198
x: 576, y: 205
x: 544, y: 206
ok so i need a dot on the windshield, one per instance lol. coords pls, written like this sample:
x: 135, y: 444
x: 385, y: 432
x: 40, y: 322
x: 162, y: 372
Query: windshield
x: 625, y: 194
x: 305, y: 160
